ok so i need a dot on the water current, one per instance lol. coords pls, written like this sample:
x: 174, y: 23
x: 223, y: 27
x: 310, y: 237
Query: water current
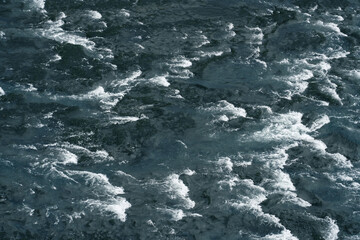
x: 180, y: 119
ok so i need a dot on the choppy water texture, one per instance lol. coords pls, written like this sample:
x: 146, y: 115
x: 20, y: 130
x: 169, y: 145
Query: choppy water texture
x: 153, y: 119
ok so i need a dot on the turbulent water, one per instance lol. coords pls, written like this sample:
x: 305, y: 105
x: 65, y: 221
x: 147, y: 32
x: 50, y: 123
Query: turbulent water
x: 194, y: 119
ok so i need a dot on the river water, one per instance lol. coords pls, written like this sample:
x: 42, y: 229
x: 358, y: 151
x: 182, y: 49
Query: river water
x: 194, y: 119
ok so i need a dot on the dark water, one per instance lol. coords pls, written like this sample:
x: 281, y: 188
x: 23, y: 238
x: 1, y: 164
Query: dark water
x: 197, y: 119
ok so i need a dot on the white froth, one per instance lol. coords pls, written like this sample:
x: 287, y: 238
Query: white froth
x: 288, y: 129
x: 118, y: 206
x: 330, y: 26
x: 229, y: 182
x: 211, y: 54
x: 298, y: 82
x: 285, y: 127
x: 320, y: 122
x: 226, y: 164
x: 179, y: 65
x: 282, y: 181
x: 226, y: 111
x: 27, y: 147
x: 177, y: 214
x: 160, y: 80
x: 254, y: 196
x: 180, y: 61
x: 55, y: 58
x: 341, y: 160
x: 124, y: 13
x: 128, y: 80
x: 98, y: 180
x: 201, y: 41
x: 124, y: 119
x: 94, y: 14
x: 68, y: 157
x: 108, y: 99
x: 2, y: 35
x: 254, y: 36
x: 98, y: 155
x: 182, y: 143
x: 284, y: 235
x: 355, y: 74
x: 333, y: 230
x: 2, y: 92
x: 55, y: 32
x: 121, y: 173
x: 176, y: 189
x: 189, y: 172
x: 36, y: 4
x: 291, y: 197
x: 230, y: 26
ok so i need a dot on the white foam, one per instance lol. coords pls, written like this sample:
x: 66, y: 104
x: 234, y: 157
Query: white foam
x: 2, y: 35
x: 282, y: 181
x: 254, y: 36
x: 226, y: 164
x: 54, y: 172
x: 298, y: 81
x: 55, y: 32
x: 118, y: 206
x: 29, y: 88
x: 189, y: 172
x: 329, y: 88
x: 178, y: 190
x: 341, y: 160
x: 36, y: 4
x: 201, y: 41
x: 230, y: 26
x: 93, y: 14
x: 98, y: 180
x: 2, y: 92
x: 98, y: 155
x: 229, y: 181
x: 225, y: 111
x: 284, y: 127
x: 320, y: 122
x: 285, y: 234
x: 229, y: 29
x: 27, y: 147
x: 160, y: 80
x: 121, y: 173
x: 107, y: 98
x: 124, y: 119
x: 331, y: 233
x: 124, y: 13
x: 180, y: 61
x: 291, y: 197
x: 182, y: 143
x: 254, y: 196
x: 355, y: 74
x: 55, y: 58
x: 67, y: 157
x: 177, y: 214
x: 178, y: 66
x: 211, y: 53
x: 330, y: 26
x: 128, y: 80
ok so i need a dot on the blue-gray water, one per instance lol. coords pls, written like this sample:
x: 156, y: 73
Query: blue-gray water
x: 194, y: 119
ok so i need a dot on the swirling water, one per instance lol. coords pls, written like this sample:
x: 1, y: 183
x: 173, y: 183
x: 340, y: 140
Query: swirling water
x: 194, y: 119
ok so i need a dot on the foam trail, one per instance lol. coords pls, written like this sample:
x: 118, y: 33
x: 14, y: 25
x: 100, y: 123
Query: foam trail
x: 2, y: 92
